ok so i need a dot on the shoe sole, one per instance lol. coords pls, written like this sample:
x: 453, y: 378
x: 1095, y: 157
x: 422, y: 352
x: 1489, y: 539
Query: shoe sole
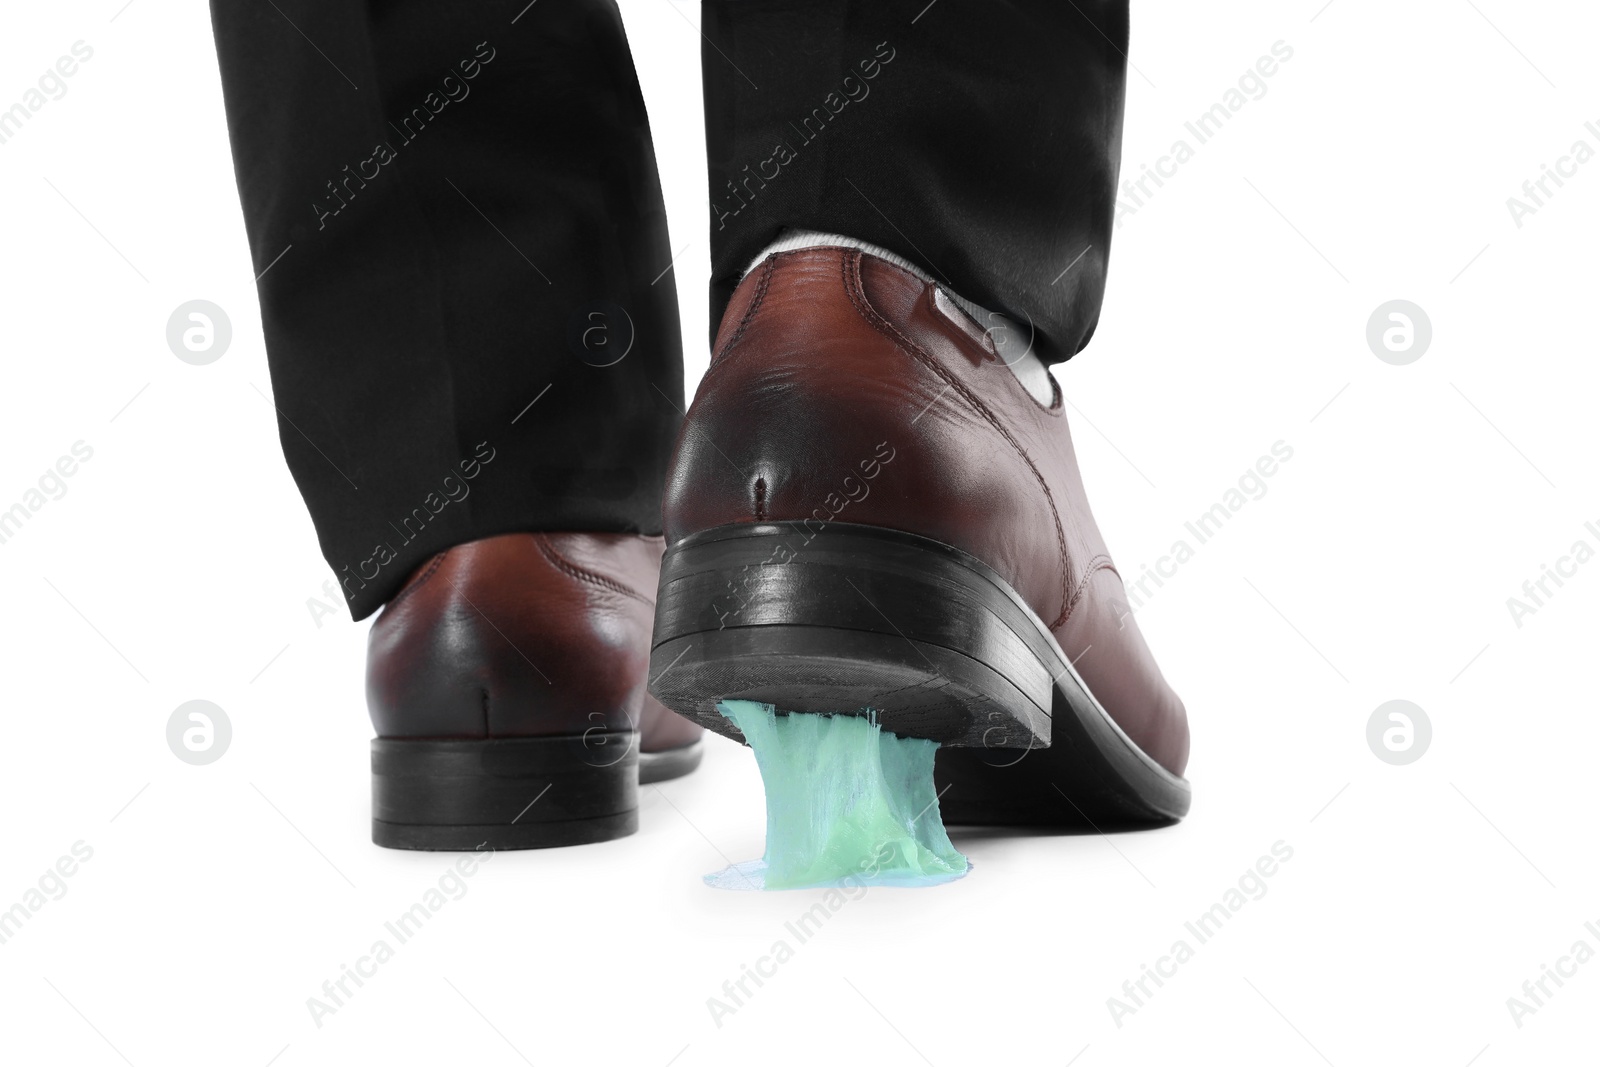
x: 929, y: 638
x: 515, y: 793
x: 672, y: 763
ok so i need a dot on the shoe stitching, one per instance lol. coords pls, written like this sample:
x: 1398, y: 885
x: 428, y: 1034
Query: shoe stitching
x: 583, y: 574
x: 750, y: 312
x: 851, y: 272
x: 1101, y: 562
x: 417, y: 582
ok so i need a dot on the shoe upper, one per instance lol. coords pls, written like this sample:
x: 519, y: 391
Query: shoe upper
x: 843, y: 388
x: 523, y: 635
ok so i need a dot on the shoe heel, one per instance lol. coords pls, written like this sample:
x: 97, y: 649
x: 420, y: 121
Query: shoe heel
x: 515, y: 793
x: 847, y: 619
x: 932, y: 639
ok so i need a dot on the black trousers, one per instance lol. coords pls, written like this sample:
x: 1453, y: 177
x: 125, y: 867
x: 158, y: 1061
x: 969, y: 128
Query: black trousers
x: 462, y: 249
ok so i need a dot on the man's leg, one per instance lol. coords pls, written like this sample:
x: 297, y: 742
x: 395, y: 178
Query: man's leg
x: 454, y: 215
x: 868, y: 508
x: 980, y: 141
x: 460, y: 242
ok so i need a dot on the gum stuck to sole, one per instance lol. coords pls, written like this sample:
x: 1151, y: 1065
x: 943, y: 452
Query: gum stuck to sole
x: 848, y: 803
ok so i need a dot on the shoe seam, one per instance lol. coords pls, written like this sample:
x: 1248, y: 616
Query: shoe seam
x: 583, y: 574
x: 1101, y: 562
x: 851, y: 273
x: 750, y: 312
x: 417, y: 582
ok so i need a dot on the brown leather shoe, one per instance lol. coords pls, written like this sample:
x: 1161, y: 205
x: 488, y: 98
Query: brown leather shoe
x: 866, y: 509
x: 506, y: 681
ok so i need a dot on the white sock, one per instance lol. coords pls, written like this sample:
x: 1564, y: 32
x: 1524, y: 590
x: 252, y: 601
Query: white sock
x: 1013, y: 344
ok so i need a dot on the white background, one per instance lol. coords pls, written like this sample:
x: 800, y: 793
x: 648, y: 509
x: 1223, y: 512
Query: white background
x: 180, y: 563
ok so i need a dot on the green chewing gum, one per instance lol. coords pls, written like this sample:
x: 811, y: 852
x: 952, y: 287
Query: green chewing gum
x: 847, y: 803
